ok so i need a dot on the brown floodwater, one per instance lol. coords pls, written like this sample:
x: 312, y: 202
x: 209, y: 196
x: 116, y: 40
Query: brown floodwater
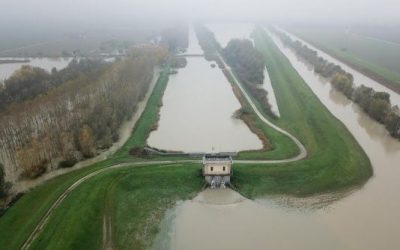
x: 359, y: 78
x: 198, y: 113
x: 198, y: 109
x: 366, y: 218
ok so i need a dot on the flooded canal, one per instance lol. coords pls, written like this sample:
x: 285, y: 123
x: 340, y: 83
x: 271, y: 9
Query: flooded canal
x: 363, y: 219
x: 6, y: 69
x: 198, y: 113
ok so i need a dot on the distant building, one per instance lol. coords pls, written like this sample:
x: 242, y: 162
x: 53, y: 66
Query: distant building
x: 217, y: 169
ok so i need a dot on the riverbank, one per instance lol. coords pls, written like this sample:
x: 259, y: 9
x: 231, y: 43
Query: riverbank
x: 335, y: 160
x: 386, y: 77
x: 135, y: 199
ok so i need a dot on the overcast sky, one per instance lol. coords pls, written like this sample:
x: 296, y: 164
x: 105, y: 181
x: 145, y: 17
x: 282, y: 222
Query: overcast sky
x: 103, y: 11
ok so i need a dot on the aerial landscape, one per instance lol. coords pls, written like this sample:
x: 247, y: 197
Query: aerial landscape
x: 199, y: 124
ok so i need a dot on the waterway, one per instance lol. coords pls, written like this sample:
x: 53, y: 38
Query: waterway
x: 197, y: 113
x: 367, y: 218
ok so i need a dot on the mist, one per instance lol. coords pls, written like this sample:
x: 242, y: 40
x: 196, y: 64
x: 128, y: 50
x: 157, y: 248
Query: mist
x: 130, y: 12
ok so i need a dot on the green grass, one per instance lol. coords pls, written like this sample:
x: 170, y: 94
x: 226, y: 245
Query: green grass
x: 282, y: 146
x: 20, y: 220
x: 138, y: 198
x: 335, y: 160
x: 376, y: 58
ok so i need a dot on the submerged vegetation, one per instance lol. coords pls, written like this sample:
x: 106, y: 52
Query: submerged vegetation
x: 376, y: 104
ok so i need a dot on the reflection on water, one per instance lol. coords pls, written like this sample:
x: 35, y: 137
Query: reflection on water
x: 6, y: 69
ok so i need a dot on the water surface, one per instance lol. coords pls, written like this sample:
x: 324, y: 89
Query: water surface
x: 198, y: 113
x: 6, y: 69
x: 366, y: 218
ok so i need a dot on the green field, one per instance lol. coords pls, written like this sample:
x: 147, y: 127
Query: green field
x: 377, y: 58
x: 335, y: 159
x: 136, y: 198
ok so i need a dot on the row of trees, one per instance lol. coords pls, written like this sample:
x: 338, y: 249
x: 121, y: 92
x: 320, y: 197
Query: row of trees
x: 376, y: 104
x: 249, y: 66
x: 246, y: 61
x: 208, y: 42
x: 76, y: 118
x: 28, y: 82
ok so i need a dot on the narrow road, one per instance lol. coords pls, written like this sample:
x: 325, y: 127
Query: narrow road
x: 302, y: 154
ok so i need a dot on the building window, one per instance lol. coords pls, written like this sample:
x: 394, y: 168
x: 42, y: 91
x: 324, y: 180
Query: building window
x: 223, y: 169
x: 212, y: 168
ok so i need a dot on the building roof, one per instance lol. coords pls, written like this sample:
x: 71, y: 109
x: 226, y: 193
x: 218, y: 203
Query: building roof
x: 209, y: 158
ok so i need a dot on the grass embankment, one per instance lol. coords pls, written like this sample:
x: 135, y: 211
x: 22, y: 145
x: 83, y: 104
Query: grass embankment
x: 335, y: 160
x: 377, y: 59
x: 277, y: 145
x: 21, y: 219
x: 138, y: 196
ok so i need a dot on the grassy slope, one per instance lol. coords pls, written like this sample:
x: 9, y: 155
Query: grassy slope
x: 282, y: 146
x: 21, y: 219
x: 139, y: 198
x: 375, y: 58
x: 335, y: 159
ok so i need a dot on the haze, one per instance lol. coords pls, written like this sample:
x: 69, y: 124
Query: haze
x: 103, y: 12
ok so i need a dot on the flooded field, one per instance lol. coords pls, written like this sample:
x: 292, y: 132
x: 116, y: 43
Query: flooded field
x: 361, y: 219
x: 6, y: 69
x: 198, y: 113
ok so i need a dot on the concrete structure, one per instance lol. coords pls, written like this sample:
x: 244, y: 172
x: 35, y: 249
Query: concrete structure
x: 217, y: 169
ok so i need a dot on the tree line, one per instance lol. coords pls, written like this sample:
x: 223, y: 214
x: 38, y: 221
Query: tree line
x: 246, y: 61
x: 376, y: 104
x: 76, y: 118
x: 28, y: 82
x: 249, y: 65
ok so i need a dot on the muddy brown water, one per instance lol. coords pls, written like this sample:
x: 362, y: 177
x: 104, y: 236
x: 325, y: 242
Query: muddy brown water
x: 197, y: 113
x: 366, y: 218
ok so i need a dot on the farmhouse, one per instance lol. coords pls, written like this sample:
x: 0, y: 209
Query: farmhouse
x: 217, y: 169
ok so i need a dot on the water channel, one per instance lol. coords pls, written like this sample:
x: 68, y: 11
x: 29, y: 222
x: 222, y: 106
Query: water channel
x: 367, y: 218
x: 198, y: 112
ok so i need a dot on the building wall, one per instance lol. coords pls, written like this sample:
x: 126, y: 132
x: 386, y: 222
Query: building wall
x: 217, y: 169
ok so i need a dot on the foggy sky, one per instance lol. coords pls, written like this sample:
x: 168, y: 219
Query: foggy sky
x: 110, y: 11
